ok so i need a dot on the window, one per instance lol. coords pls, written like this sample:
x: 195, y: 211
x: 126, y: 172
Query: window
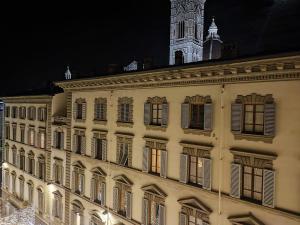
x: 14, y: 155
x: 31, y: 113
x: 244, y: 219
x: 21, y: 187
x: 7, y: 131
x: 79, y: 142
x: 181, y: 29
x: 198, y: 214
x: 77, y: 213
x: 196, y: 113
x: 122, y: 196
x: 196, y: 31
x: 98, y: 186
x: 22, y: 112
x: 79, y: 109
x: 13, y: 182
x: 100, y: 109
x: 22, y: 133
x: 58, y: 171
x: 41, y: 167
x: 30, y: 191
x: 99, y: 146
x: 78, y: 178
x: 31, y: 136
x: 6, y: 179
x: 7, y: 111
x: 155, y: 157
x: 179, y: 58
x: 42, y: 114
x: 124, y: 150
x: 14, y: 112
x: 14, y: 132
x: 253, y: 115
x: 153, y: 209
x: 42, y: 139
x: 57, y: 205
x: 156, y: 112
x: 6, y: 153
x: 125, y: 110
x: 41, y: 201
x: 96, y: 219
x: 22, y: 160
x: 31, y: 163
x: 195, y: 165
x: 252, y: 177
x: 58, y: 139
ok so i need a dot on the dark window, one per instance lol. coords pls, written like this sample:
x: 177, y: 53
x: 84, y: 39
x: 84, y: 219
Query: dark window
x: 155, y: 160
x: 156, y: 114
x: 179, y: 58
x: 14, y: 133
x: 252, y: 183
x: 196, y: 31
x: 100, y: 114
x: 125, y: 110
x: 98, y: 149
x: 22, y: 161
x: 79, y: 111
x: 197, y: 116
x: 181, y: 30
x: 254, y: 119
x: 22, y: 135
x: 196, y: 170
x: 59, y: 140
x: 79, y: 144
x: 7, y: 132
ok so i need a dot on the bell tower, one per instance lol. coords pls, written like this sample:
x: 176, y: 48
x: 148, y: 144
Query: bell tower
x: 186, y: 31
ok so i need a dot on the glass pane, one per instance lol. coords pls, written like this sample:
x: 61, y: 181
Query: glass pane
x: 193, y: 170
x: 200, y: 171
x: 249, y: 128
x: 249, y: 108
x: 259, y: 108
x: 259, y: 118
x: 249, y: 118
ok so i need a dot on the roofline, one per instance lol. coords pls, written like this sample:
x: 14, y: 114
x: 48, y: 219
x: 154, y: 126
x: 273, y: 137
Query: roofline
x: 200, y: 64
x: 26, y: 98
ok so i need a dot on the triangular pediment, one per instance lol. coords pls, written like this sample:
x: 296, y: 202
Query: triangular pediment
x: 78, y: 164
x: 245, y: 220
x: 122, y: 179
x: 195, y: 204
x: 153, y: 189
x: 98, y: 171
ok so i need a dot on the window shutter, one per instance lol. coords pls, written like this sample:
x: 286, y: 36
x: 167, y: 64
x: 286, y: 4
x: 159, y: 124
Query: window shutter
x: 92, y: 194
x: 146, y: 155
x: 147, y: 113
x: 207, y: 174
x: 235, y: 190
x: 93, y: 147
x: 161, y: 215
x: 236, y: 117
x: 128, y: 205
x: 116, y: 199
x: 62, y: 140
x: 164, y: 164
x: 182, y: 219
x: 83, y: 145
x: 185, y: 115
x: 104, y: 149
x: 208, y: 117
x: 184, y: 162
x: 269, y: 119
x: 75, y: 110
x: 103, y: 193
x: 54, y: 139
x: 74, y: 142
x: 269, y: 188
x: 145, y: 212
x: 84, y: 110
x: 165, y: 114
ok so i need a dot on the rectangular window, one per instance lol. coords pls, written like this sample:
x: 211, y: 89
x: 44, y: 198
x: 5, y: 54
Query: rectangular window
x: 156, y: 114
x: 254, y: 119
x: 79, y: 144
x: 42, y: 139
x: 197, y: 116
x: 31, y: 165
x: 30, y: 194
x: 31, y: 137
x: 100, y: 111
x: 196, y: 170
x: 125, y: 110
x: 22, y: 135
x: 99, y: 149
x: 22, y: 162
x: 7, y: 111
x: 15, y: 157
x: 123, y: 154
x: 155, y: 160
x: 40, y: 202
x: 42, y: 114
x: 14, y: 133
x: 79, y: 111
x: 252, y: 183
x: 14, y: 112
x: 7, y: 131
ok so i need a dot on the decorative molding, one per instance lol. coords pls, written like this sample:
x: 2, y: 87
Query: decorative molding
x: 254, y: 99
x: 154, y: 190
x: 245, y: 219
x: 122, y: 124
x: 197, y: 99
x: 197, y: 131
x: 157, y: 100
x: 253, y: 137
x: 156, y: 127
x: 123, y: 180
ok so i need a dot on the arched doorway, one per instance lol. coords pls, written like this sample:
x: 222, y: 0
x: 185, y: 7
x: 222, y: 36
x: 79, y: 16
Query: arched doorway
x: 179, y: 58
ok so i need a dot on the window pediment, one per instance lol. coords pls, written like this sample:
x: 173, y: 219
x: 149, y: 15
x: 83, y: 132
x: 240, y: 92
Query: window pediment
x: 57, y: 193
x: 254, y: 99
x: 98, y: 171
x: 245, y: 220
x: 154, y: 190
x: 77, y: 205
x: 198, y: 99
x: 78, y: 164
x: 195, y: 204
x: 122, y: 179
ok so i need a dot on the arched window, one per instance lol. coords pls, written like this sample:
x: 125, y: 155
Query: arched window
x: 179, y: 58
x: 6, y: 179
x: 21, y: 187
x: 6, y: 152
x: 14, y: 155
x: 98, y: 186
x: 78, y: 178
x: 41, y: 200
x: 181, y: 29
x: 77, y: 214
x: 13, y: 182
x: 22, y: 159
x: 31, y: 163
x: 41, y: 167
x: 30, y: 191
x: 57, y: 206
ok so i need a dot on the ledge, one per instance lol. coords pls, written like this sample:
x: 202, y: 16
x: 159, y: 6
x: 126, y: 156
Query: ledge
x: 156, y: 127
x: 197, y: 131
x: 79, y: 120
x: 253, y: 137
x: 100, y: 122
x: 260, y: 155
x: 123, y: 124
x: 202, y: 146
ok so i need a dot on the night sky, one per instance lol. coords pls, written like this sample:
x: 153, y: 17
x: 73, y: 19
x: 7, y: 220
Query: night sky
x: 42, y: 39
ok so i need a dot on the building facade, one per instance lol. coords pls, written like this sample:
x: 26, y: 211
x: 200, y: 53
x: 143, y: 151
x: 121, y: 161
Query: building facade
x: 213, y: 143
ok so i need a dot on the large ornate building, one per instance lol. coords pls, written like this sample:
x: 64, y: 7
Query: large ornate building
x: 209, y: 143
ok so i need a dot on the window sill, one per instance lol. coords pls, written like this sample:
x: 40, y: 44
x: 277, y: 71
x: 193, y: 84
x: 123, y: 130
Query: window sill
x: 156, y: 127
x: 253, y: 137
x: 100, y: 122
x: 124, y: 124
x: 197, y: 131
x: 79, y: 120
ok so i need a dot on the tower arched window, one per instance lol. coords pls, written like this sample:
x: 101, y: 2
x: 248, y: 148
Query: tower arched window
x: 181, y: 29
x: 179, y: 58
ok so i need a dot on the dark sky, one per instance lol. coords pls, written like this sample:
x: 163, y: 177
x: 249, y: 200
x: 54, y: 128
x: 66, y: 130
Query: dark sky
x: 42, y: 39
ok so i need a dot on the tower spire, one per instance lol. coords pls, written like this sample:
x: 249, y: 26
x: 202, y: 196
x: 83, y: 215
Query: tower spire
x: 68, y: 74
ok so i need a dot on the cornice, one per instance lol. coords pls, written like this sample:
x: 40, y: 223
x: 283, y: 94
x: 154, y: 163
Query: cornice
x: 28, y: 99
x: 273, y: 69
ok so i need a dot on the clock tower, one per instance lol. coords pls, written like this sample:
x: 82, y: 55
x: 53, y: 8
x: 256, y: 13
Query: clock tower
x: 186, y: 31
